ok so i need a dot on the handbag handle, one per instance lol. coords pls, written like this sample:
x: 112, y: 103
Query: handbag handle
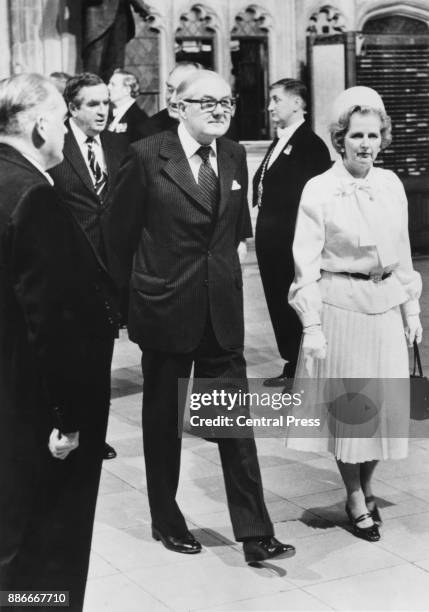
x: 417, y: 360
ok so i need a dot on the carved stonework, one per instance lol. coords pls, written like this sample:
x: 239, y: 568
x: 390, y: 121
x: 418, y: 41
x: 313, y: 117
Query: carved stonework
x: 199, y: 22
x: 253, y: 21
x: 327, y: 20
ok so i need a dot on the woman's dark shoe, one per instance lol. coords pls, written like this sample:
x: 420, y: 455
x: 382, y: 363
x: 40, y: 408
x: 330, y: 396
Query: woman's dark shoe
x: 374, y: 511
x: 370, y: 534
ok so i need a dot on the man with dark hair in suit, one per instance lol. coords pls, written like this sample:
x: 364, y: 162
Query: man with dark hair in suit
x: 294, y: 157
x: 85, y: 180
x: 128, y: 118
x: 107, y: 27
x: 49, y: 382
x: 186, y: 306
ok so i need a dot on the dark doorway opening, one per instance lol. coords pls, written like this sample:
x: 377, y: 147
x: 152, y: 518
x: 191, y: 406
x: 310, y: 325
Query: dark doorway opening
x: 249, y: 58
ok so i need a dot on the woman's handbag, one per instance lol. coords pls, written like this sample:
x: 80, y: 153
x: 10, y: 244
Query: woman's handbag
x: 419, y: 389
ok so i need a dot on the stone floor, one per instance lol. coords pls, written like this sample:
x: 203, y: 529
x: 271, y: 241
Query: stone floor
x: 332, y: 570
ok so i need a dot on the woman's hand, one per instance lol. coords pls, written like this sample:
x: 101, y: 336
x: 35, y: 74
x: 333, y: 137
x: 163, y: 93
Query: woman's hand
x: 413, y: 329
x: 313, y: 344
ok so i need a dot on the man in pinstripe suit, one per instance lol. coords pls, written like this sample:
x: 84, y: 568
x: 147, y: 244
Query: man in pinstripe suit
x: 187, y: 305
x: 85, y: 181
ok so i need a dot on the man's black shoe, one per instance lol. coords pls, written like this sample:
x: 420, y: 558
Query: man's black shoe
x: 263, y: 549
x: 285, y: 379
x: 109, y: 452
x: 186, y: 544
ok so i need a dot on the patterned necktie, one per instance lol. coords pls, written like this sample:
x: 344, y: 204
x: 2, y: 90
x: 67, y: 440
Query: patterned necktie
x: 207, y: 179
x: 260, y: 188
x: 99, y: 176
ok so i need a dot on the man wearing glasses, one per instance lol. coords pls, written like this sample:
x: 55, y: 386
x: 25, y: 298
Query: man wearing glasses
x: 186, y: 306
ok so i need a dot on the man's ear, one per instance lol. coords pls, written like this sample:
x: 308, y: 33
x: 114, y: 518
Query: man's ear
x: 72, y: 108
x: 39, y: 131
x: 181, y: 109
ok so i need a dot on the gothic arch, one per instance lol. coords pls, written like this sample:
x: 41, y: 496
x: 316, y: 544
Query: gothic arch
x: 411, y: 9
x: 199, y: 20
x: 326, y: 20
x: 252, y: 21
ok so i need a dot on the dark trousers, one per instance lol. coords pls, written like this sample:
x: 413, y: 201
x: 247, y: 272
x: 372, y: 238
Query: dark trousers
x: 276, y: 265
x: 50, y: 546
x: 162, y: 445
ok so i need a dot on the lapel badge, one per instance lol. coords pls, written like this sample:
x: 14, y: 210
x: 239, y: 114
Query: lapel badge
x: 235, y: 185
x: 288, y: 150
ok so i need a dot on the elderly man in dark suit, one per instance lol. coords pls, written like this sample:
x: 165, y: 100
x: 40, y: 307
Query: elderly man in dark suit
x: 127, y: 117
x: 187, y: 305
x: 50, y: 386
x: 294, y: 157
x: 85, y: 181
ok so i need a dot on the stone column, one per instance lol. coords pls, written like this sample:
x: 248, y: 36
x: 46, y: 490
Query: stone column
x: 5, y: 63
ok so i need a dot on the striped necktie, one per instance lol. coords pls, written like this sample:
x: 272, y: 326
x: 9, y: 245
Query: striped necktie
x: 207, y: 179
x: 99, y: 176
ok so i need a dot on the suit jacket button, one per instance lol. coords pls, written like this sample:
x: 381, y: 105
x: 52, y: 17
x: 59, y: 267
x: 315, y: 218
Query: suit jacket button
x: 206, y: 283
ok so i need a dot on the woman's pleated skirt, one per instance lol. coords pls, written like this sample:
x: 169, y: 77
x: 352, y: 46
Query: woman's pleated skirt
x: 360, y: 392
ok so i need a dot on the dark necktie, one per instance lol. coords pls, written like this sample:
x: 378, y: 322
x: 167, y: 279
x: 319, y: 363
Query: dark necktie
x: 207, y: 179
x: 100, y: 177
x: 260, y: 187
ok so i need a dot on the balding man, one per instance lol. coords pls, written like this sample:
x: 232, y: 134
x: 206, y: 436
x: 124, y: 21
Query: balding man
x: 168, y: 117
x: 187, y: 304
x: 48, y: 495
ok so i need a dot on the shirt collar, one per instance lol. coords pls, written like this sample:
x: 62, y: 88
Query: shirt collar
x: 80, y: 135
x: 341, y: 171
x: 188, y: 142
x: 39, y: 168
x: 287, y: 132
x: 121, y: 109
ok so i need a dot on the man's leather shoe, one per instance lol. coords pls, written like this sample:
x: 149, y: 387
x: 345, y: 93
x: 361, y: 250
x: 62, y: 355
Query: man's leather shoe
x: 262, y: 549
x: 109, y: 452
x: 285, y: 379
x: 186, y: 544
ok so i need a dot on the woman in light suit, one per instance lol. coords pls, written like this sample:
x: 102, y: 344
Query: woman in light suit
x: 356, y: 294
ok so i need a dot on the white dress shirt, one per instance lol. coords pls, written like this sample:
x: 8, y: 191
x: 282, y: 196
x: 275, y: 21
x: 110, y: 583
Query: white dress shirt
x: 353, y: 225
x: 284, y: 135
x: 191, y: 146
x: 118, y: 112
x: 97, y: 148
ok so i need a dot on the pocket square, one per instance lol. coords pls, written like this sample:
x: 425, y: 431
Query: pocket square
x: 235, y: 185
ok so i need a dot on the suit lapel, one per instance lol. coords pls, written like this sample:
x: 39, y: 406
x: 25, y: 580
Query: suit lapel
x: 178, y: 169
x: 74, y: 156
x: 290, y: 143
x: 112, y: 156
x: 226, y: 168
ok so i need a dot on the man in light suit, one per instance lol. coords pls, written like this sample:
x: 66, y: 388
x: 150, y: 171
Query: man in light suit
x: 186, y: 305
x: 294, y: 157
x: 127, y: 117
x: 48, y: 318
x: 85, y: 181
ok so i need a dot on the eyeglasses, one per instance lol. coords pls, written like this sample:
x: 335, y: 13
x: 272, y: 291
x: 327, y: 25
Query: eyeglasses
x: 208, y: 104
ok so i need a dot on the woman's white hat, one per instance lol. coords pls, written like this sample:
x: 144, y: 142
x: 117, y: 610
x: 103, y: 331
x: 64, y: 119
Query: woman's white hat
x: 356, y: 96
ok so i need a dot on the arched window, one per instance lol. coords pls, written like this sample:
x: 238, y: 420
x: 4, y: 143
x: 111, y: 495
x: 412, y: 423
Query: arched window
x: 196, y: 36
x: 327, y: 20
x: 142, y: 57
x: 249, y: 60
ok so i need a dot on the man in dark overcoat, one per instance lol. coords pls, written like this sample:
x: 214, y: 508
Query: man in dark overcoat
x: 48, y: 381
